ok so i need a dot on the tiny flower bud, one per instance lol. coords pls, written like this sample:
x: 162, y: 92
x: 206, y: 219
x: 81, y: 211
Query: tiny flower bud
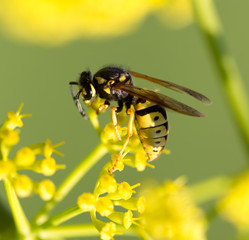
x: 86, y: 201
x: 104, y: 206
x: 125, y: 190
x: 23, y: 186
x: 108, y: 231
x: 46, y: 189
x: 49, y: 148
x: 25, y: 157
x: 128, y: 220
x: 48, y: 166
x: 6, y: 168
x: 107, y: 183
x: 141, y: 204
x: 9, y: 137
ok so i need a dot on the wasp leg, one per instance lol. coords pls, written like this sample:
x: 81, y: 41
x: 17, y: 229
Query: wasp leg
x: 115, y: 121
x: 129, y: 134
x: 114, y: 117
x: 103, y: 107
x: 76, y: 100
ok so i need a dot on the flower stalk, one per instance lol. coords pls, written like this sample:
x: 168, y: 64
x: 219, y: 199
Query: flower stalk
x: 70, y: 182
x: 21, y: 221
x: 211, y: 29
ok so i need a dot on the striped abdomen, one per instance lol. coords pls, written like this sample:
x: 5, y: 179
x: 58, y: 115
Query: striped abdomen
x: 152, y: 127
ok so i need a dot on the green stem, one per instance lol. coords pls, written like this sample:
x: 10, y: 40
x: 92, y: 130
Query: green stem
x: 20, y: 219
x: 64, y: 216
x: 211, y: 29
x: 70, y: 182
x: 68, y: 231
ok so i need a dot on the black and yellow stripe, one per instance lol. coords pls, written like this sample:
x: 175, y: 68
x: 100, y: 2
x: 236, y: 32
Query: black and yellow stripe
x: 152, y: 127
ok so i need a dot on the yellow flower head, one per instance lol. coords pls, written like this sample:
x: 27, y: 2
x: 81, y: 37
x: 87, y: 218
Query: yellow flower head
x: 235, y: 205
x: 171, y: 214
x: 59, y: 21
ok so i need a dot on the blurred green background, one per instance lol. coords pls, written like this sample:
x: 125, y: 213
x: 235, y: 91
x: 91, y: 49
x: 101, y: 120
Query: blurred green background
x: 200, y: 149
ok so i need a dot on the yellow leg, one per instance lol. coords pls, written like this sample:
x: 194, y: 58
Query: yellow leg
x: 129, y: 134
x: 102, y: 107
x: 115, y: 121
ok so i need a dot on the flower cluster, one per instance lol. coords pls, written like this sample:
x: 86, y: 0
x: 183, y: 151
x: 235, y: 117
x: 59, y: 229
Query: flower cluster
x: 36, y: 157
x: 57, y: 22
x: 235, y: 204
x: 107, y: 196
x: 171, y: 214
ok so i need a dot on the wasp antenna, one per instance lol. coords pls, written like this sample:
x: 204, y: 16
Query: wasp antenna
x: 76, y: 100
x: 73, y: 83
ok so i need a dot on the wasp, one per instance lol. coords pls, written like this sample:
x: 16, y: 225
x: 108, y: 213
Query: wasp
x: 115, y: 84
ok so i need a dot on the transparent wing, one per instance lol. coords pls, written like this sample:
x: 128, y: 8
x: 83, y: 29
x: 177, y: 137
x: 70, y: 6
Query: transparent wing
x: 159, y: 99
x: 173, y: 86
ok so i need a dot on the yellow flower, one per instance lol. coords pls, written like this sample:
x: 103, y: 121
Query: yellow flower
x: 49, y: 148
x: 86, y: 201
x: 15, y: 119
x: 46, y: 189
x: 9, y: 137
x: 7, y: 168
x: 176, y: 13
x: 48, y: 166
x: 171, y: 214
x: 108, y: 231
x: 23, y: 186
x: 125, y: 190
x: 58, y: 21
x: 104, y: 206
x: 107, y: 184
x: 25, y: 157
x: 235, y: 205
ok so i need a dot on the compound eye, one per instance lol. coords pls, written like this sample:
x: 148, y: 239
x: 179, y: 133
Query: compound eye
x: 111, y: 82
